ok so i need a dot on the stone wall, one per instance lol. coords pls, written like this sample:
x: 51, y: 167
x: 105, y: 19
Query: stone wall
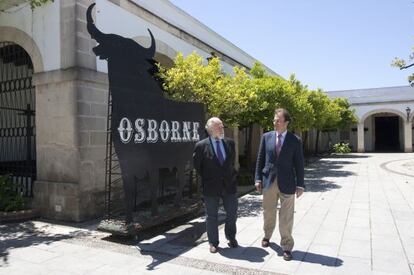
x: 71, y: 111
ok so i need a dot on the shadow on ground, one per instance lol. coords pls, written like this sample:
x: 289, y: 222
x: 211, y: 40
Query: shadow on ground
x: 309, y: 257
x: 26, y: 234
x: 346, y: 156
x: 171, y: 242
x: 250, y: 254
x: 317, y: 174
x: 167, y: 242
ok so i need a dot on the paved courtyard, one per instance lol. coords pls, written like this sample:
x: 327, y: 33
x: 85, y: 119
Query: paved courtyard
x: 357, y: 217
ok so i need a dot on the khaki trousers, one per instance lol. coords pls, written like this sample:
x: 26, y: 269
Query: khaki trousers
x: 287, y: 208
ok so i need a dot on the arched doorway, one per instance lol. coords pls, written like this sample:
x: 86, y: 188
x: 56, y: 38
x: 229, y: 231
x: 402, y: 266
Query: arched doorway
x: 17, y: 117
x: 383, y: 131
x: 387, y: 133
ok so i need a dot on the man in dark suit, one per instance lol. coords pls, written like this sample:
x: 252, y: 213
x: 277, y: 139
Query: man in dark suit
x: 280, y: 174
x: 214, y: 161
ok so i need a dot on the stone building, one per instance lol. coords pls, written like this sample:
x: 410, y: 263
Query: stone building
x: 385, y: 120
x: 54, y: 91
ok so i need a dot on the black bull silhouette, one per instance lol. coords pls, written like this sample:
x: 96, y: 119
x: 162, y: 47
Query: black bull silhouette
x: 137, y: 94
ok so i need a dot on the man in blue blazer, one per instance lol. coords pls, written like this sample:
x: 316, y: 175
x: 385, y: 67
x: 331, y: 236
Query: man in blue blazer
x: 214, y: 161
x: 280, y: 175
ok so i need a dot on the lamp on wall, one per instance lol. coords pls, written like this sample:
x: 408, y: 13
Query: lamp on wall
x: 408, y: 111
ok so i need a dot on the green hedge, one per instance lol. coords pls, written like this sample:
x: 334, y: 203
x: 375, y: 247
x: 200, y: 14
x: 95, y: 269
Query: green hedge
x: 10, y: 199
x: 342, y: 148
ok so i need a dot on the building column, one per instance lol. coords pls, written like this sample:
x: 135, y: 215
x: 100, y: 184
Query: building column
x: 360, y: 133
x: 408, y: 146
x: 71, y: 109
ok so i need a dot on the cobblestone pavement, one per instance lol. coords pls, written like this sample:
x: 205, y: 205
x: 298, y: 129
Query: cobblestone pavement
x: 356, y: 217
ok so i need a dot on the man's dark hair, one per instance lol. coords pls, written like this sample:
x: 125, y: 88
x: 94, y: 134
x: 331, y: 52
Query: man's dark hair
x: 284, y: 112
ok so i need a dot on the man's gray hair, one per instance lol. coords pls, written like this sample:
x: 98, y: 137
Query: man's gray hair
x: 210, y: 122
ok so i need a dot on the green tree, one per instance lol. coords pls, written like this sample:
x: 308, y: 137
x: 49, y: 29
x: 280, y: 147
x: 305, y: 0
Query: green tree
x: 37, y: 3
x: 257, y: 71
x: 402, y: 64
x: 243, y: 98
x: 302, y: 110
x: 346, y: 114
x: 10, y: 199
x: 223, y: 95
x: 273, y: 92
x: 305, y: 117
x: 327, y: 113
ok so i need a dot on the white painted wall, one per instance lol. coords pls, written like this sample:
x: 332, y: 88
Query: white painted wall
x: 369, y: 134
x: 401, y: 135
x: 369, y: 103
x: 353, y: 138
x: 177, y: 17
x: 366, y: 101
x: 133, y: 26
x: 42, y: 25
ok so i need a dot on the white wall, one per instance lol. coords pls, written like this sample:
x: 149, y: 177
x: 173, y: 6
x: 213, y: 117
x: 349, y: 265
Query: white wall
x: 369, y: 135
x: 353, y: 138
x: 133, y: 26
x: 366, y: 101
x: 401, y: 136
x: 327, y: 140
x: 177, y: 17
x: 42, y: 25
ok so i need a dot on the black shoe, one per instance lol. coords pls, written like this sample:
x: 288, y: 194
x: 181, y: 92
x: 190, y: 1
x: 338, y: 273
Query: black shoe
x: 265, y: 242
x: 287, y: 255
x: 213, y: 248
x: 233, y: 243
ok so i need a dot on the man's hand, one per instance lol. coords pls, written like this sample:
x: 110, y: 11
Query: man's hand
x: 259, y: 186
x: 299, y: 192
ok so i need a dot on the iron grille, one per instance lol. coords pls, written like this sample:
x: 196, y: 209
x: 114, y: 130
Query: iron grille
x: 17, y: 118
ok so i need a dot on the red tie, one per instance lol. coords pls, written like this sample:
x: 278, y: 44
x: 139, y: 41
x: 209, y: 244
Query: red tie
x: 278, y: 145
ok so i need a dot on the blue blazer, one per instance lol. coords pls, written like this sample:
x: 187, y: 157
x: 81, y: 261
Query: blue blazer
x: 215, y: 177
x: 288, y: 169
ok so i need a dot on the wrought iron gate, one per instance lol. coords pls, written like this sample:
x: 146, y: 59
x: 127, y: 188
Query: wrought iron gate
x: 17, y: 118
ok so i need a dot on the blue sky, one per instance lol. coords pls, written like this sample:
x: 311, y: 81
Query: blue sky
x: 328, y: 44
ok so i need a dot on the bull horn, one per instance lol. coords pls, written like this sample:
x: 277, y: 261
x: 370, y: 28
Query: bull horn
x: 92, y: 29
x: 151, y: 49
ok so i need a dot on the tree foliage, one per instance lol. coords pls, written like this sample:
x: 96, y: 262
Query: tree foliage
x: 10, y: 199
x: 405, y: 64
x: 190, y: 80
x: 247, y: 97
x: 346, y: 114
x: 37, y: 3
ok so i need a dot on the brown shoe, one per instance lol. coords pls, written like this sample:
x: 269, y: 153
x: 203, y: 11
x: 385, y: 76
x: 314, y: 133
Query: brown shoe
x: 213, y: 248
x: 287, y: 255
x: 265, y: 242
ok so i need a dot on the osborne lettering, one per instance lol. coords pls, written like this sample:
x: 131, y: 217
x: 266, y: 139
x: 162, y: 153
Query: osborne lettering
x: 152, y: 131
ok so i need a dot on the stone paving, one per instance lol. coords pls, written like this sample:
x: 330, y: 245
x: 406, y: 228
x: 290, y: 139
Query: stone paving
x: 357, y: 217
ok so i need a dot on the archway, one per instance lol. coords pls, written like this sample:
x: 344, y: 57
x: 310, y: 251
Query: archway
x: 165, y: 54
x: 17, y: 117
x: 10, y: 34
x: 383, y: 131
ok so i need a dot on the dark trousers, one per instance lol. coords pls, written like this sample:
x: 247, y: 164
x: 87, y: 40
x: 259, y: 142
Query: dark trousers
x: 230, y: 206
